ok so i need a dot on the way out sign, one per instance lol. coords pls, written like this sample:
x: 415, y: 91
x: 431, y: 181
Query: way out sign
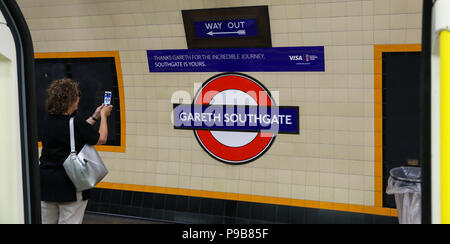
x: 226, y: 28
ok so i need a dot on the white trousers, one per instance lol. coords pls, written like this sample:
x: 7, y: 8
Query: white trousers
x: 64, y: 213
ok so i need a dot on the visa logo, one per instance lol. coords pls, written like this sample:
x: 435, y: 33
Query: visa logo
x: 296, y: 58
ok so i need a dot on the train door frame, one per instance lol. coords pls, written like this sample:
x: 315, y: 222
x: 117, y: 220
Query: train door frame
x: 27, y: 109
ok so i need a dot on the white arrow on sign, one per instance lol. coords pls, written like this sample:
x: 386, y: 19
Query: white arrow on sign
x: 239, y: 32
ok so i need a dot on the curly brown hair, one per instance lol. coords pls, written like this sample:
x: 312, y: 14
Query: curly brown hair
x: 61, y: 94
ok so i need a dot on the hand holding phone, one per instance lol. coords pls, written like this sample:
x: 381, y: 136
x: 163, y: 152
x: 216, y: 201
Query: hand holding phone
x: 106, y: 111
x: 107, y: 100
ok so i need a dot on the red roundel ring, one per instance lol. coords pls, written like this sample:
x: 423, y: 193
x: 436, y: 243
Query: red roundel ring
x: 220, y: 151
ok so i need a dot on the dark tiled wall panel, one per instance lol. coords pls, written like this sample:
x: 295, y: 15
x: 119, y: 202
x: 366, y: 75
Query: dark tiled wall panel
x: 195, y: 210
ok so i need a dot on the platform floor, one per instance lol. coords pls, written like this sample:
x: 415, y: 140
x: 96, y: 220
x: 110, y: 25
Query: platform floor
x: 91, y: 218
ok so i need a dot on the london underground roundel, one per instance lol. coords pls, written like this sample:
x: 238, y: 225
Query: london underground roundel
x: 234, y: 146
x: 235, y: 119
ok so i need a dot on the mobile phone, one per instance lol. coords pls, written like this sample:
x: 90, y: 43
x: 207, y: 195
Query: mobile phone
x: 108, y: 95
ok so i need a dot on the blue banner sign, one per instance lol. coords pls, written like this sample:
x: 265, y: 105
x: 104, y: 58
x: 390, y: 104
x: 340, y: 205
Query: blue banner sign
x: 278, y: 59
x: 280, y: 120
x: 226, y: 28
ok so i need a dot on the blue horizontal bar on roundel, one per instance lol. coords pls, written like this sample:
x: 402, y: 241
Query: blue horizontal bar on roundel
x: 271, y: 119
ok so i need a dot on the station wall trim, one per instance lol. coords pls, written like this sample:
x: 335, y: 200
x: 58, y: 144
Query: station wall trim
x: 251, y: 198
x: 378, y: 110
x: 377, y: 209
x: 104, y: 54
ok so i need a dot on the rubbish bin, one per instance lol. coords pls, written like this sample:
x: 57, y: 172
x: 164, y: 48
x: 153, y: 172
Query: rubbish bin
x: 404, y: 183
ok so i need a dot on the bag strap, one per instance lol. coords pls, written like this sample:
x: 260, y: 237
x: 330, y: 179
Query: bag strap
x: 72, y: 136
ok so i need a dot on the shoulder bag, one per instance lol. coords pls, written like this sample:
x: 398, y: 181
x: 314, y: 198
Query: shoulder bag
x: 85, y: 169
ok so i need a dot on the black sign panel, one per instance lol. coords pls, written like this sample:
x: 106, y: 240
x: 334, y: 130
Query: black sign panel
x: 243, y: 27
x: 401, y: 113
x: 94, y: 75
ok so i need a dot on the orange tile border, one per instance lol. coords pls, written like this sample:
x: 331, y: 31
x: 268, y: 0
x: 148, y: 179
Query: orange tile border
x: 377, y: 209
x: 250, y: 198
x: 101, y: 54
x: 378, y: 115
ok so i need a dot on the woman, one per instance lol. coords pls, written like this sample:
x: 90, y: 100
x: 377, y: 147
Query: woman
x: 60, y: 201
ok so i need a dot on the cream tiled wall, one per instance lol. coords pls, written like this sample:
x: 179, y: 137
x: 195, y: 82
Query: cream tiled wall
x: 332, y: 160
